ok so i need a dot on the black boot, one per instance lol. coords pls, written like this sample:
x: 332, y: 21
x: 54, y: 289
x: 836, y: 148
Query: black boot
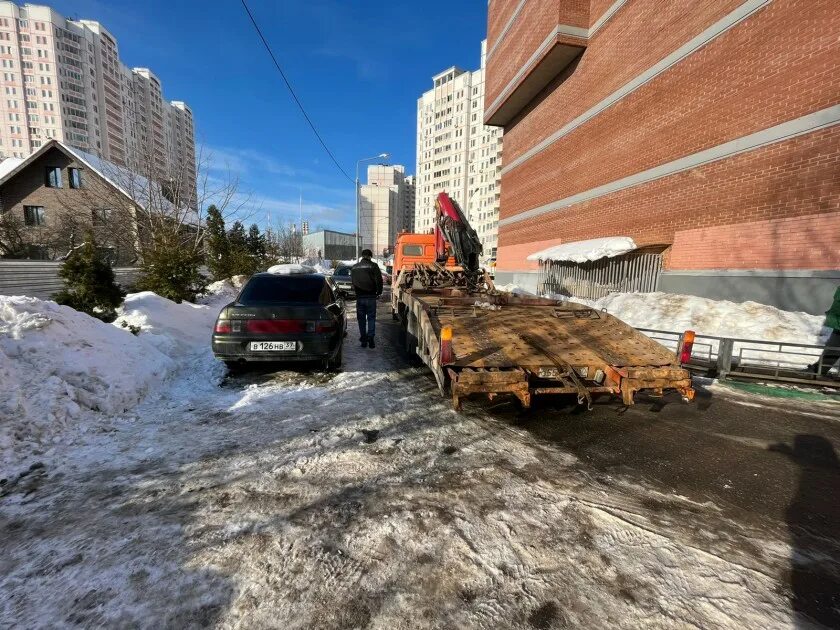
x: 371, y: 342
x: 364, y: 341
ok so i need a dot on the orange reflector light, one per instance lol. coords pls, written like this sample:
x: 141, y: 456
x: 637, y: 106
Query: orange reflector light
x: 446, y: 345
x: 687, y: 345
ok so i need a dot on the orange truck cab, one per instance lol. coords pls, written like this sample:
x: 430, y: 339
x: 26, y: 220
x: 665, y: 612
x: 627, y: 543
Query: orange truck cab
x: 416, y: 249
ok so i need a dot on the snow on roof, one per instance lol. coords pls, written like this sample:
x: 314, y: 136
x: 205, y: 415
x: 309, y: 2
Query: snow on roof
x: 583, y: 251
x: 134, y: 186
x: 8, y: 165
x: 291, y: 269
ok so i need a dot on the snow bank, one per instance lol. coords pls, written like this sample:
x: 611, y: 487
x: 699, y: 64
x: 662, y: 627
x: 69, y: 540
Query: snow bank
x: 583, y: 251
x: 56, y: 364
x: 223, y: 291
x: 61, y: 369
x: 718, y: 318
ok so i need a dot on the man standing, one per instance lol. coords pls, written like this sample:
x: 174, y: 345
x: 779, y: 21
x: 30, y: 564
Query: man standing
x: 831, y: 354
x: 367, y: 285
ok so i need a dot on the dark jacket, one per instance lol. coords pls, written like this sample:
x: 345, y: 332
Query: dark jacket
x: 832, y: 315
x: 366, y: 278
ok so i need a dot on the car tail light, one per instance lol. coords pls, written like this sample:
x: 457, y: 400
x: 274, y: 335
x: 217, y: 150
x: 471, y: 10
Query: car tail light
x: 446, y: 345
x: 687, y: 345
x: 323, y: 327
x: 275, y: 326
x: 222, y: 327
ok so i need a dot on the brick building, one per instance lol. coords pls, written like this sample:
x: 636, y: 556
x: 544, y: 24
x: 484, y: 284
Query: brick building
x: 704, y: 129
x: 51, y: 199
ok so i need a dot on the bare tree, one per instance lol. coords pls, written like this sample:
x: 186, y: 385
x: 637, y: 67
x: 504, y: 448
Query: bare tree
x: 284, y: 242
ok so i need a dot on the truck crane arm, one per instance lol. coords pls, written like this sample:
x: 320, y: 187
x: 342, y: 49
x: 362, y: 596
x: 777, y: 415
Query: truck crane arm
x: 452, y: 227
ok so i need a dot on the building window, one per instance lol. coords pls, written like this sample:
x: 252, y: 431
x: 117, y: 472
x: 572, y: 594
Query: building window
x: 33, y: 215
x: 75, y: 177
x: 101, y: 216
x: 53, y: 179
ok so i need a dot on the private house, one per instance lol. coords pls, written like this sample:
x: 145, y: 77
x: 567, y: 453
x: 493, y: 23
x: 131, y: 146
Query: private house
x: 51, y: 199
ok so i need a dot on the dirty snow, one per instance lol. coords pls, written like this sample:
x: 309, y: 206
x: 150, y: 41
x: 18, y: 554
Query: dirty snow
x: 308, y: 500
x: 300, y: 499
x: 583, y: 251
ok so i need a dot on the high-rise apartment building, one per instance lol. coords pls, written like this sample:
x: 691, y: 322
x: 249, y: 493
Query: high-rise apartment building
x: 382, y: 203
x: 457, y: 153
x: 63, y: 79
x: 410, y: 202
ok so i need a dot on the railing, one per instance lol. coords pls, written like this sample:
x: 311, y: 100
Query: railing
x: 637, y: 272
x: 724, y: 357
x: 40, y: 278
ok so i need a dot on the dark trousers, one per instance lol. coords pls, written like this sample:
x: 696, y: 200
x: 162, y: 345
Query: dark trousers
x: 366, y: 314
x: 831, y: 354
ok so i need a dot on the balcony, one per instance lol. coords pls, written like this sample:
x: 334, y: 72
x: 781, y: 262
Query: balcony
x: 528, y: 45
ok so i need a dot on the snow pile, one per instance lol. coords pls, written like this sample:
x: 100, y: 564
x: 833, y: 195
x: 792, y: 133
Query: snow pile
x: 288, y: 269
x: 718, y: 318
x: 583, y: 251
x: 514, y: 289
x: 61, y: 369
x: 223, y: 291
x: 320, y: 266
x: 57, y: 364
x: 174, y: 329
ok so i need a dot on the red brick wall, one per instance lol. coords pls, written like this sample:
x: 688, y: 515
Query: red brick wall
x: 781, y: 63
x: 533, y: 24
x: 803, y: 242
x: 788, y: 179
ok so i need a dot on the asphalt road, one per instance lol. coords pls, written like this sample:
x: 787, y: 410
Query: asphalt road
x: 766, y: 463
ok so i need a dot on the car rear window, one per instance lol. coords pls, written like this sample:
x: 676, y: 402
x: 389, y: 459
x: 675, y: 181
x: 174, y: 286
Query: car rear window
x: 342, y: 271
x: 275, y: 289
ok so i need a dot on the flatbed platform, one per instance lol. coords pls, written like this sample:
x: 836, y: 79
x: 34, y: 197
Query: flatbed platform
x: 502, y: 343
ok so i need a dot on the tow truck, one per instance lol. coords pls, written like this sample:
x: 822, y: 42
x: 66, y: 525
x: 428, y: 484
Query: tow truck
x: 478, y: 340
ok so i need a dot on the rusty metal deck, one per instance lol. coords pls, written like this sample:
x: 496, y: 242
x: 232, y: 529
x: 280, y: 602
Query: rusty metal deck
x: 522, y: 334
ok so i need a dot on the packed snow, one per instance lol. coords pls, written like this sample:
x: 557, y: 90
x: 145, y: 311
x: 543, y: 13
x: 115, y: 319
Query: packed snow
x: 288, y: 269
x: 583, y: 251
x: 178, y: 496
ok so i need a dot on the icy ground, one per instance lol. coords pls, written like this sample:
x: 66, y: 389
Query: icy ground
x: 308, y: 500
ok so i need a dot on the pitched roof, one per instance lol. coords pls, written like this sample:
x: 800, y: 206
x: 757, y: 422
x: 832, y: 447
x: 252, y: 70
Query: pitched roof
x: 135, y: 187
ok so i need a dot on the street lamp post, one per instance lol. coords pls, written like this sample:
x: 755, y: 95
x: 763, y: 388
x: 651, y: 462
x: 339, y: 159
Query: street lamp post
x: 382, y: 156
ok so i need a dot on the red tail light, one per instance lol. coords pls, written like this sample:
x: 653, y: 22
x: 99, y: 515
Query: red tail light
x: 687, y: 345
x: 222, y: 326
x: 269, y: 326
x: 323, y: 327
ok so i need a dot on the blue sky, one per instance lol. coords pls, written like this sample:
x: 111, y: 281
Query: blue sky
x: 358, y: 66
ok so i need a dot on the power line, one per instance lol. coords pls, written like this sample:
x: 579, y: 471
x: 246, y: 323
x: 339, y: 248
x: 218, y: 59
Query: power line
x: 292, y: 92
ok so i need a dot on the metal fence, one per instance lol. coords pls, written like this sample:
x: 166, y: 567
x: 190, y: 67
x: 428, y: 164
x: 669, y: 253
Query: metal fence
x: 637, y: 272
x: 749, y: 359
x: 40, y: 279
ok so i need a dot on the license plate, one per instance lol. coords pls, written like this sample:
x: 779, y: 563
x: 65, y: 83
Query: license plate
x: 273, y: 346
